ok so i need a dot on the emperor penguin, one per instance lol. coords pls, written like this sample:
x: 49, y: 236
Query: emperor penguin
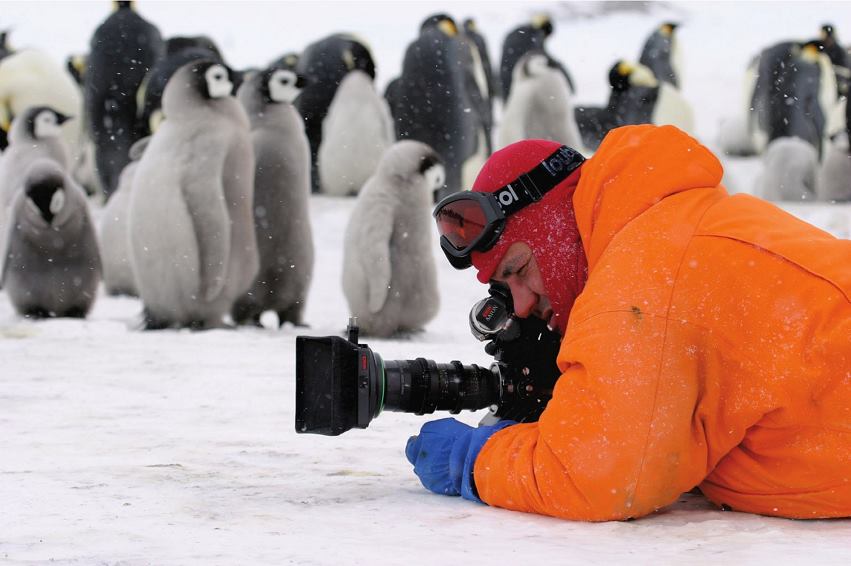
x: 52, y: 265
x: 835, y: 172
x: 113, y: 232
x: 281, y: 198
x: 323, y: 64
x: 430, y: 103
x: 519, y: 41
x: 389, y: 272
x: 661, y: 54
x: 594, y: 122
x: 539, y: 106
x: 791, y: 71
x: 357, y: 131
x: 191, y: 224
x: 30, y: 77
x: 790, y: 167
x: 178, y: 51
x: 35, y: 134
x: 121, y: 52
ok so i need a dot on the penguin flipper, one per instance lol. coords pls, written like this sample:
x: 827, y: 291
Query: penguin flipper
x: 375, y: 257
x: 211, y: 225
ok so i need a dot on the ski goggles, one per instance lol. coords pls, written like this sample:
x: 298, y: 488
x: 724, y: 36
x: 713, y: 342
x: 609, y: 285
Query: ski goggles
x: 470, y: 221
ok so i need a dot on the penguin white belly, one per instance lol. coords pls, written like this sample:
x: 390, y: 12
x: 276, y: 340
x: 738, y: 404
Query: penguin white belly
x: 835, y: 173
x: 512, y: 127
x: 114, y: 236
x: 355, y: 134
x: 164, y: 246
x: 673, y: 109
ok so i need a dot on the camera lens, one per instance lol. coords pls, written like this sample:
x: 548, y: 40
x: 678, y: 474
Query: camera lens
x: 423, y: 386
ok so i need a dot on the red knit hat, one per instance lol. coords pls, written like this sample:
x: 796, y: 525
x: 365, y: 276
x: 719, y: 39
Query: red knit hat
x: 548, y: 226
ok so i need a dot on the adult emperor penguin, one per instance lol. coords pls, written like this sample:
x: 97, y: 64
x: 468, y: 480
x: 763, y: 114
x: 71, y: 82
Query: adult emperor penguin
x: 121, y: 52
x: 389, y: 272
x: 357, y: 131
x: 661, y: 54
x: 281, y: 195
x: 594, y: 122
x: 323, y: 64
x: 519, y: 41
x: 113, y: 230
x: 539, y: 106
x: 30, y: 77
x: 34, y: 135
x: 834, y: 182
x: 792, y: 71
x: 430, y: 103
x: 191, y: 221
x: 52, y: 265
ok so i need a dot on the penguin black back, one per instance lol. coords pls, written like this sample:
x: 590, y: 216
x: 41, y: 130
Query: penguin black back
x: 323, y: 64
x: 520, y: 41
x: 122, y: 51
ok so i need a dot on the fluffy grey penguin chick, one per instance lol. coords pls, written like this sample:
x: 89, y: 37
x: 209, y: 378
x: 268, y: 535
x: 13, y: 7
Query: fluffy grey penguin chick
x: 113, y: 231
x: 539, y: 105
x: 789, y: 171
x: 389, y: 273
x: 191, y: 223
x: 34, y: 135
x: 835, y: 173
x: 355, y: 134
x: 53, y: 266
x: 281, y: 194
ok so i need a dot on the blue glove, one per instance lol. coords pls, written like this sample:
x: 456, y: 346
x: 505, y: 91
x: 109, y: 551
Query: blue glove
x: 444, y: 453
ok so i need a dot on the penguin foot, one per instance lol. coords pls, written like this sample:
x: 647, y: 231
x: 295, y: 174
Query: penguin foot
x: 76, y: 312
x: 36, y: 313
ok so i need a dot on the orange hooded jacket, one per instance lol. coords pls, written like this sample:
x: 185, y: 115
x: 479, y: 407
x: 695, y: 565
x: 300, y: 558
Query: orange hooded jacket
x: 710, y: 347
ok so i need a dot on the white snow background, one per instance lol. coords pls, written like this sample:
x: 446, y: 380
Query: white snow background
x: 125, y: 447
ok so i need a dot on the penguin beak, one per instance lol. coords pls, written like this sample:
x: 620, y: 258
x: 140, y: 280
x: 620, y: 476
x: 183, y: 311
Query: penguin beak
x: 62, y: 118
x: 300, y: 81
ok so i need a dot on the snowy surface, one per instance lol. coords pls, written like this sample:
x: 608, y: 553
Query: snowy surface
x: 175, y: 447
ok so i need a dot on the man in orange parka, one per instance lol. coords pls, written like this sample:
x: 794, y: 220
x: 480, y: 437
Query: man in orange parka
x: 706, y: 339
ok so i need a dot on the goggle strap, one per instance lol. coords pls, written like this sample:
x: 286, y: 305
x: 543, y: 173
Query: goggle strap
x: 531, y: 187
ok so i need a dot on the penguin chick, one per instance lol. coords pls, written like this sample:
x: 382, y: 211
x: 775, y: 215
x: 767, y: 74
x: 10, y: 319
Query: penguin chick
x: 53, y: 265
x: 539, y: 106
x: 789, y: 171
x: 281, y: 199
x: 192, y: 234
x: 389, y: 272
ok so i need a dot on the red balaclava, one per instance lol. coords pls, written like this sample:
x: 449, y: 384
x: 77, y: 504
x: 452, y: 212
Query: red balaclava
x: 548, y: 226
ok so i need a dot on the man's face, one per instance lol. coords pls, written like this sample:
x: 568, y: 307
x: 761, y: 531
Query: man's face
x: 519, y: 270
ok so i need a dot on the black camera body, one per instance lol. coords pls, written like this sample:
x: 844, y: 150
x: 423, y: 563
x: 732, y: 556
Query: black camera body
x: 342, y: 384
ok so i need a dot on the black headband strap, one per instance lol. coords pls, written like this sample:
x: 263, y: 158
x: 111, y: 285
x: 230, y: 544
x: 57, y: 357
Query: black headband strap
x: 531, y: 187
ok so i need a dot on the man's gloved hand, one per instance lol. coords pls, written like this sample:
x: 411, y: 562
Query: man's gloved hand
x: 444, y: 452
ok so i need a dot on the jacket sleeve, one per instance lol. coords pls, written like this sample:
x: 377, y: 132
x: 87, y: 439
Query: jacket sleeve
x: 623, y: 434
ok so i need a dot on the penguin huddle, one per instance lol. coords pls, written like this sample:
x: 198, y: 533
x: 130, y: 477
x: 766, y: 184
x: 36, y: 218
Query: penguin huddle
x: 803, y: 144
x: 643, y: 92
x: 205, y: 173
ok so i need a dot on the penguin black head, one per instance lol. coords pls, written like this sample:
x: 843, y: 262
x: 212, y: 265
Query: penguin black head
x: 470, y: 25
x: 827, y: 32
x: 624, y: 75
x: 668, y: 28
x: 442, y: 22
x: 46, y: 196
x: 212, y: 79
x: 44, y: 122
x: 432, y: 168
x: 544, y: 23
x: 281, y: 85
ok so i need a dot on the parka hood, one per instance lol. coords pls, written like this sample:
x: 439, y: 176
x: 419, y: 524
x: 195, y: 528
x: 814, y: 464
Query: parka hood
x: 635, y: 168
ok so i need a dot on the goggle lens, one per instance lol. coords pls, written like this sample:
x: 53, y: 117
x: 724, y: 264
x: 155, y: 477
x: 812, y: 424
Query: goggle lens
x: 461, y: 221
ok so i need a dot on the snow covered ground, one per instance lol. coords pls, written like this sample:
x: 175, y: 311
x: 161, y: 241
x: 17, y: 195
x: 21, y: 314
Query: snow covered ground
x: 175, y: 447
